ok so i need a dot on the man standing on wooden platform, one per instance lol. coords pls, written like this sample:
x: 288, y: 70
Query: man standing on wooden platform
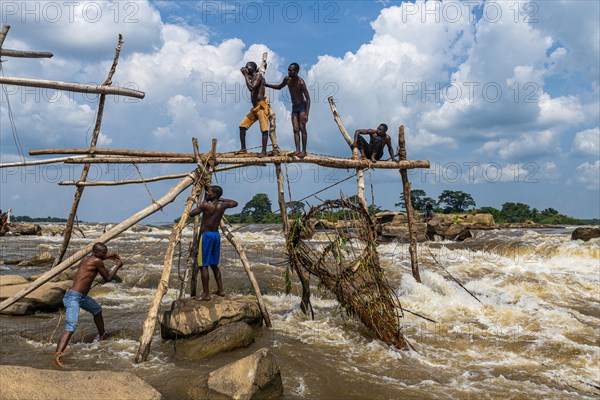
x: 374, y: 149
x: 76, y: 297
x: 209, y: 249
x: 300, y: 105
x: 255, y: 83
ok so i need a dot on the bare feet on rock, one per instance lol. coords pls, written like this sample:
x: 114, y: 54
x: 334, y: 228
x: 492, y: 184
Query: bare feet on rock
x: 203, y: 298
x: 57, y: 361
x: 219, y: 293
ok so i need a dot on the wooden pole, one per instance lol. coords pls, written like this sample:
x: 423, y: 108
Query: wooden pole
x: 111, y: 233
x: 360, y: 175
x: 150, y: 322
x: 113, y: 152
x: 86, y: 168
x: 332, y: 162
x: 134, y: 181
x: 37, y: 162
x: 412, y: 249
x: 3, y: 33
x: 72, y: 87
x: 281, y: 200
x: 25, y: 54
x: 240, y: 250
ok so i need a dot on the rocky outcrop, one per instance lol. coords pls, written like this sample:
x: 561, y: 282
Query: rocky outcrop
x: 66, y: 275
x: 450, y: 227
x: 26, y: 229
x: 225, y: 338
x: 254, y: 377
x: 192, y: 318
x: 40, y: 384
x: 6, y: 280
x: 585, y: 233
x: 47, y: 297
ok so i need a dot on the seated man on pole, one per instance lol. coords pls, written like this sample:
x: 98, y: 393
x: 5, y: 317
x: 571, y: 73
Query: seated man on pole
x: 373, y: 150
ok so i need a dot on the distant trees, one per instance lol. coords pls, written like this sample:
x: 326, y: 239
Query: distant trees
x: 456, y: 201
x: 418, y: 199
x: 520, y: 212
x: 257, y: 208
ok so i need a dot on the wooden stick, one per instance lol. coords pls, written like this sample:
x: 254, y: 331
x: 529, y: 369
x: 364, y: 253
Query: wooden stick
x: 111, y: 233
x: 134, y: 181
x: 3, y: 33
x: 452, y: 277
x: 281, y: 200
x: 86, y: 168
x: 332, y: 162
x: 72, y: 87
x: 25, y: 54
x: 360, y: 175
x: 114, y: 152
x: 38, y: 162
x: 240, y: 250
x: 410, y: 213
x: 150, y: 322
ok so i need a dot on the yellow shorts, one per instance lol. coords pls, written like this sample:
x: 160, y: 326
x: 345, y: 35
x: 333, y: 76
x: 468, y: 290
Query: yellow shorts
x: 260, y: 113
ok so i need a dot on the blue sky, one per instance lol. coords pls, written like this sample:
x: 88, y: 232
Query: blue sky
x: 501, y: 97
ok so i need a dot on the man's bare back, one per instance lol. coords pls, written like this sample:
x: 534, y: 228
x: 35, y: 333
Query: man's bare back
x: 90, y: 267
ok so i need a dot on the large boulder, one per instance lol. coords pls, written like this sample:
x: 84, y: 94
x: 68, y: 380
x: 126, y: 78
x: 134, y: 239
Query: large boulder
x: 222, y: 339
x: 254, y: 377
x: 39, y: 260
x: 26, y: 229
x: 189, y: 318
x: 47, y: 297
x: 66, y: 275
x: 400, y: 231
x: 585, y: 233
x: 41, y: 384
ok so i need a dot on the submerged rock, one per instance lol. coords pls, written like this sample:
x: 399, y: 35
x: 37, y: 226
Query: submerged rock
x: 225, y: 338
x: 585, y: 233
x: 190, y: 317
x: 254, y: 377
x: 42, y: 259
x: 41, y: 384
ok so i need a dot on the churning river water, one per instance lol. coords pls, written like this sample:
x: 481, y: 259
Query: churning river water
x: 535, y: 334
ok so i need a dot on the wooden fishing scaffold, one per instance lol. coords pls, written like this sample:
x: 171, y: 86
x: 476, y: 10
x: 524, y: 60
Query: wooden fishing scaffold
x: 345, y: 259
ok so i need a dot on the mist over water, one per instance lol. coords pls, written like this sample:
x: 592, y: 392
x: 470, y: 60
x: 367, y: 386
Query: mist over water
x: 532, y: 332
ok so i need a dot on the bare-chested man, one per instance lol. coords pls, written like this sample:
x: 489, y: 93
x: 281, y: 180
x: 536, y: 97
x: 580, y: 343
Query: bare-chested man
x: 373, y: 150
x: 255, y: 83
x: 209, y: 249
x: 77, y: 297
x: 300, y: 105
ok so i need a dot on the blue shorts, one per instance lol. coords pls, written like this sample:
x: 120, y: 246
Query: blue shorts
x: 209, y: 249
x: 299, y: 108
x: 73, y: 301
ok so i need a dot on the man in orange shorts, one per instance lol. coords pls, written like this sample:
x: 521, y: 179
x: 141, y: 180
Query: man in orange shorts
x: 255, y: 83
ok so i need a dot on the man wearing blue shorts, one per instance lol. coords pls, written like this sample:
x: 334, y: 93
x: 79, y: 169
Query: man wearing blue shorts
x: 212, y: 208
x: 77, y: 297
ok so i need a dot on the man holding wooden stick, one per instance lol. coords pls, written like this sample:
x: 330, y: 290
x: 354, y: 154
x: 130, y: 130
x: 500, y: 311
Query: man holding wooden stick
x: 76, y: 297
x: 255, y: 83
x: 209, y: 249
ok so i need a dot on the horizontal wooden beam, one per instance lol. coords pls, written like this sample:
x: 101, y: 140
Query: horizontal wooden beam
x: 112, y: 152
x: 72, y: 87
x: 246, y: 161
x: 37, y: 162
x: 25, y: 54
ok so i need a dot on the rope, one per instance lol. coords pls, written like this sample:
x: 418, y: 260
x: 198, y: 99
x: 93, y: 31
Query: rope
x: 145, y: 184
x: 12, y: 120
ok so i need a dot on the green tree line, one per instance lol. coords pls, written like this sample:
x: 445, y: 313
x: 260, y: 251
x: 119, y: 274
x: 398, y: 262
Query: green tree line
x: 259, y: 210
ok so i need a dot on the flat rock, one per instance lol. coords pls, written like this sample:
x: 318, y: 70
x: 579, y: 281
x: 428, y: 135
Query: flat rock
x: 44, y: 258
x: 225, y: 338
x: 24, y: 383
x: 190, y: 317
x: 12, y: 280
